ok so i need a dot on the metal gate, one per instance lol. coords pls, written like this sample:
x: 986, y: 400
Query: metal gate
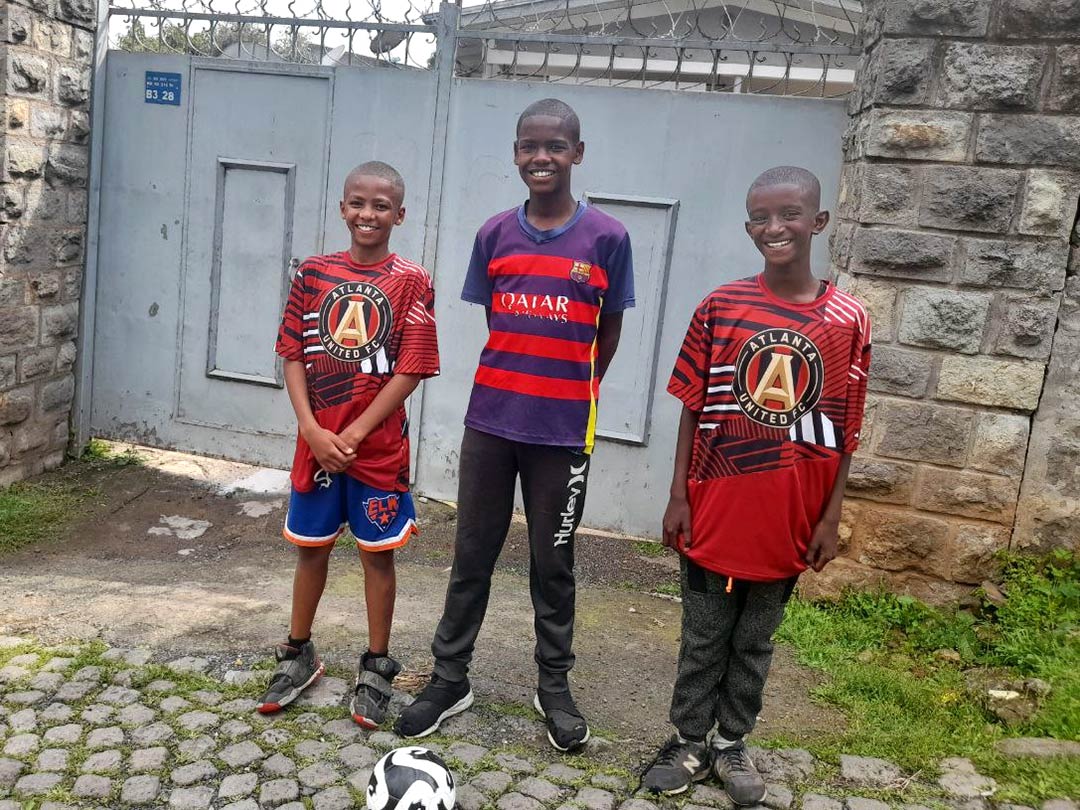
x: 224, y: 138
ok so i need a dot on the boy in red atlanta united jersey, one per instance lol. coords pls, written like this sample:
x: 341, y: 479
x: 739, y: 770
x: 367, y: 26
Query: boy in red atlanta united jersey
x: 555, y: 276
x: 772, y: 375
x: 357, y: 336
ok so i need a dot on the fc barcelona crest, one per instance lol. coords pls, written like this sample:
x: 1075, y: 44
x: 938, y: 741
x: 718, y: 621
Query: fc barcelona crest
x: 581, y: 272
x: 382, y: 511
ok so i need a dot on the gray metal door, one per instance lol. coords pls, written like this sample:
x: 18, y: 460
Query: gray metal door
x: 203, y: 206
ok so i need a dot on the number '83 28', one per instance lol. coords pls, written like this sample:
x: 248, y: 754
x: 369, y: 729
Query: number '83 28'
x: 160, y: 95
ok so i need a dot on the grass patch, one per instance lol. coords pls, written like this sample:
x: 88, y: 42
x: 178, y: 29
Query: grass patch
x: 99, y: 452
x: 647, y: 548
x: 907, y: 703
x: 30, y: 512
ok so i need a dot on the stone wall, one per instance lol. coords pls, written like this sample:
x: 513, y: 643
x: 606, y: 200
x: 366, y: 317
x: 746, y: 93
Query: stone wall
x: 46, y: 52
x: 958, y: 197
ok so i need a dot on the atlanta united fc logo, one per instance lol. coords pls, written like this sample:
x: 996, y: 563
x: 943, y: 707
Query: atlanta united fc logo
x: 778, y: 377
x: 355, y: 320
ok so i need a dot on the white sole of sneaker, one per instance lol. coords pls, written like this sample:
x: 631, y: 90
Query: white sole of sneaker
x: 270, y: 708
x: 701, y: 777
x: 457, y: 708
x: 555, y: 745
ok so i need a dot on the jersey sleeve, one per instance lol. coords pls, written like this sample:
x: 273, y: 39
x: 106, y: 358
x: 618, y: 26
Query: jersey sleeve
x: 477, y: 289
x: 419, y: 352
x: 620, y: 273
x: 689, y: 378
x: 290, y: 339
x: 858, y: 374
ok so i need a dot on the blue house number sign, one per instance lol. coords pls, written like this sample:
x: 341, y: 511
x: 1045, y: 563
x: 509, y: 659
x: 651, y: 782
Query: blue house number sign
x: 162, y: 88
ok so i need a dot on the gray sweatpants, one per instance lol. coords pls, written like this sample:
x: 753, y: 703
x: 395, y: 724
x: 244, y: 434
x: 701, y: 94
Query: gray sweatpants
x: 553, y: 483
x: 726, y: 651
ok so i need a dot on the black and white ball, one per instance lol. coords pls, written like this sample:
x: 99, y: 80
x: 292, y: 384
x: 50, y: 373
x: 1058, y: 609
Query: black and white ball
x: 411, y: 778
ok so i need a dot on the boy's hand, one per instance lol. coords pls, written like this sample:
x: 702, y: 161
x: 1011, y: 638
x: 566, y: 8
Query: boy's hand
x: 331, y: 451
x: 822, y: 548
x: 677, y: 524
x: 353, y: 437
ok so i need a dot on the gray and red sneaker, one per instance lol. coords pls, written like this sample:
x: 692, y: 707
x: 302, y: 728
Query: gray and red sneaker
x: 297, y: 669
x: 372, y: 689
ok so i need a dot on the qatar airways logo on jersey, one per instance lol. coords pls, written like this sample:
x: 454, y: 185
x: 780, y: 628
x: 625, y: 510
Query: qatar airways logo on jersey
x: 548, y: 307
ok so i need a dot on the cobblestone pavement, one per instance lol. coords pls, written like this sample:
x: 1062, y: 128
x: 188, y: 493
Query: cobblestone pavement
x: 90, y: 726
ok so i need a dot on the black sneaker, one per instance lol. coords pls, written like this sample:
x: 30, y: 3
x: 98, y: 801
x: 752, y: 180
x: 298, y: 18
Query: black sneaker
x: 566, y: 728
x: 736, y: 770
x: 297, y: 669
x: 372, y: 690
x: 678, y: 764
x: 439, y: 700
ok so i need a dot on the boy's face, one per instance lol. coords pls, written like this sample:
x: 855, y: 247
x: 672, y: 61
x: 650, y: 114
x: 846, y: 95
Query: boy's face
x: 782, y: 221
x: 371, y: 208
x: 545, y: 152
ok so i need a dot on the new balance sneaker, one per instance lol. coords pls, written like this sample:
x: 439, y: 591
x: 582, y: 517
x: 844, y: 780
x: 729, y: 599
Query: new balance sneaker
x: 439, y: 700
x: 566, y: 728
x: 297, y: 669
x: 733, y: 767
x: 678, y: 764
x: 372, y: 690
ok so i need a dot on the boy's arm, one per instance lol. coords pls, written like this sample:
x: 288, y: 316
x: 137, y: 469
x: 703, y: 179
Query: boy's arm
x: 823, y: 542
x: 333, y: 454
x: 388, y: 400
x: 677, y: 514
x: 607, y: 340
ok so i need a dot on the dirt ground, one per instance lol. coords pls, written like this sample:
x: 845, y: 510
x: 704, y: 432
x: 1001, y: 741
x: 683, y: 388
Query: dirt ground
x: 133, y: 569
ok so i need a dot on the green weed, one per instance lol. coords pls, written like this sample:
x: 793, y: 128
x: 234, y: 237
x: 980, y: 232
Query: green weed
x: 647, y: 548
x: 30, y: 512
x: 99, y: 452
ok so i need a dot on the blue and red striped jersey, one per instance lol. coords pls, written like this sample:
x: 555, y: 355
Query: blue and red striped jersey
x: 779, y: 388
x: 537, y: 380
x: 354, y: 326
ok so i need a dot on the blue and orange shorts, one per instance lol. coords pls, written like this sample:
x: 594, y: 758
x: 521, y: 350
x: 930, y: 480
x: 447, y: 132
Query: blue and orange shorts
x: 379, y: 520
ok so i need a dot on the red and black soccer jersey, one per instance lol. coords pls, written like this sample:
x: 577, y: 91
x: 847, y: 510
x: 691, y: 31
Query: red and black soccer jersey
x: 354, y: 326
x: 780, y: 389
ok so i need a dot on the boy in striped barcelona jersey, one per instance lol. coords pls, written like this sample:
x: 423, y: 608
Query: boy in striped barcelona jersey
x: 357, y: 336
x: 772, y: 376
x: 554, y: 276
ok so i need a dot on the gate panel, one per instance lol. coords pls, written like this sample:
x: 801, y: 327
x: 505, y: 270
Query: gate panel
x: 645, y: 151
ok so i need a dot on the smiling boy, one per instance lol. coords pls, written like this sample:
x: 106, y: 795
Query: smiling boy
x: 554, y: 276
x: 357, y: 336
x: 772, y: 375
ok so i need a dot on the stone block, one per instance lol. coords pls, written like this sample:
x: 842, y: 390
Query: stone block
x: 966, y: 493
x: 921, y: 431
x: 977, y: 76
x: 1049, y: 207
x: 1001, y: 441
x: 37, y: 363
x: 18, y: 113
x: 1065, y: 86
x: 899, y: 371
x: 1025, y: 327
x: 15, y: 25
x: 919, y: 135
x: 59, y: 322
x: 67, y: 165
x: 82, y: 45
x: 1029, y: 19
x: 12, y: 203
x: 1040, y: 139
x: 944, y: 319
x: 16, y: 405
x: 7, y: 371
x: 969, y: 198
x: 905, y: 71
x: 1034, y: 266
x: 889, y: 194
x: 45, y: 285
x: 879, y: 299
x: 47, y: 122
x: 903, y: 254
x: 27, y: 74
x: 79, y: 127
x: 966, y: 18
x: 18, y: 328
x: 78, y: 12
x: 67, y: 247
x: 52, y: 37
x: 23, y: 159
x: 997, y: 383
x: 57, y: 396
x: 880, y: 480
x: 72, y: 86
x: 896, y: 540
x: 975, y: 547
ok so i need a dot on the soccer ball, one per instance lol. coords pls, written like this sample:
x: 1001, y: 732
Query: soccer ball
x: 411, y: 778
